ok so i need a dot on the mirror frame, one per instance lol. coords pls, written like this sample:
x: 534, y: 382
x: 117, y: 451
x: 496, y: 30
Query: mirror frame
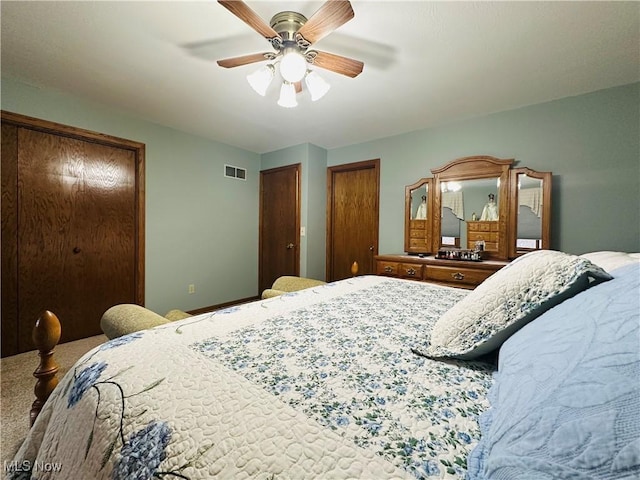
x: 472, y: 168
x: 479, y: 167
x: 545, y: 177
x: 428, y: 241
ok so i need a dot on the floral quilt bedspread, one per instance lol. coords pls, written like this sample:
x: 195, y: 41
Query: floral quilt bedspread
x: 321, y: 383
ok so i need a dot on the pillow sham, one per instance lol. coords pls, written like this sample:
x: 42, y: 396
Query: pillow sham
x: 508, y: 300
x: 611, y: 260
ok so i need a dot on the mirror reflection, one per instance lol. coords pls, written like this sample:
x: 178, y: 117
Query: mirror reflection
x: 530, y: 208
x: 470, y: 213
x: 419, y: 209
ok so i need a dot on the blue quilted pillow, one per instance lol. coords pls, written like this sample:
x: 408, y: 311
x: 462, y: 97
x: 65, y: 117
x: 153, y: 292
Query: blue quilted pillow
x: 566, y: 398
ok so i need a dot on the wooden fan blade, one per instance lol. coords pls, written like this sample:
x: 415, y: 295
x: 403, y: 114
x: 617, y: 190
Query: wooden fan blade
x: 329, y: 16
x: 337, y: 63
x: 245, y: 60
x: 298, y: 86
x: 248, y: 16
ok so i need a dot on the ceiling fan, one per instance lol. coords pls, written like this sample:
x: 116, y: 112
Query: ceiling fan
x: 291, y: 35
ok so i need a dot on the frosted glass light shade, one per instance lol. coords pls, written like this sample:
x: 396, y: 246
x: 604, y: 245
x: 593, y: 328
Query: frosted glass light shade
x: 317, y: 85
x: 288, y: 95
x: 261, y: 78
x: 293, y: 66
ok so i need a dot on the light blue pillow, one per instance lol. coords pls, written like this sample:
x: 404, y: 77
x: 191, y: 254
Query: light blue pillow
x: 566, y: 398
x: 508, y: 300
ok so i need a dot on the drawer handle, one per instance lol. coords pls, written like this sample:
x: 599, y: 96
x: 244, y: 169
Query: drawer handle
x: 458, y: 276
x: 388, y: 269
x: 411, y: 271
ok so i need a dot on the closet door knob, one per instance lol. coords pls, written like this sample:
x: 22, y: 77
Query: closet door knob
x: 76, y: 250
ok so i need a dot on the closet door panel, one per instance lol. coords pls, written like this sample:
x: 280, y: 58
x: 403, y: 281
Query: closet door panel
x: 9, y: 326
x: 76, y: 231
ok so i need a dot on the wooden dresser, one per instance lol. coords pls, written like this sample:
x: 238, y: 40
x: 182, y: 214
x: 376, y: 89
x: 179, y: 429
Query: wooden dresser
x: 483, y: 230
x: 455, y: 273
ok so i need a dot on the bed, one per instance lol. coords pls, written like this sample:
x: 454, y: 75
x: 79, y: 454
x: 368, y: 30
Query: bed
x: 532, y: 375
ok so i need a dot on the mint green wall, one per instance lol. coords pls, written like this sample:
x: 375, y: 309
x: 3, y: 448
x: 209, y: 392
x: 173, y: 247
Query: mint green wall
x: 590, y: 142
x: 312, y: 202
x: 201, y: 228
x: 317, y: 213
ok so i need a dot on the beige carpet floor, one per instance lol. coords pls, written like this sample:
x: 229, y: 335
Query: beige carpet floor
x: 17, y: 382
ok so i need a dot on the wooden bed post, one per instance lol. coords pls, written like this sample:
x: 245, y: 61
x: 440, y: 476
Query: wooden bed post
x: 46, y: 335
x: 354, y: 268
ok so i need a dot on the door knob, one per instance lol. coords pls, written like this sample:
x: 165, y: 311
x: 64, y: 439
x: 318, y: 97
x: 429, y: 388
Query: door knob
x: 290, y: 246
x: 76, y: 250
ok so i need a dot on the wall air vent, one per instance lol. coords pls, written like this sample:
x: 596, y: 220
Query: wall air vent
x: 235, y: 172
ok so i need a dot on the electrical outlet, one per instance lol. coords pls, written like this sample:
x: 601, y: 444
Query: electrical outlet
x: 192, y: 288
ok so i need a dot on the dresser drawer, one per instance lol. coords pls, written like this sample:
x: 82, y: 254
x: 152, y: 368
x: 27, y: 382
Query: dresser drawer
x: 410, y: 270
x: 454, y: 275
x: 490, y: 240
x: 397, y: 269
x: 389, y: 269
x: 486, y: 236
x: 482, y: 226
x: 488, y: 246
x: 417, y: 225
x: 418, y: 243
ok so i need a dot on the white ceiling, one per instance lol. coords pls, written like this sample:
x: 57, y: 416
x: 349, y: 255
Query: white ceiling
x: 426, y: 63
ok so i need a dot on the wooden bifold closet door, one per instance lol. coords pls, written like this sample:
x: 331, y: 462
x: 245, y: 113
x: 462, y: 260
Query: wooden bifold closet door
x: 74, y: 228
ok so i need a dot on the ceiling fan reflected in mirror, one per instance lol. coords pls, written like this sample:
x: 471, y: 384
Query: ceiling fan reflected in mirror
x: 291, y: 35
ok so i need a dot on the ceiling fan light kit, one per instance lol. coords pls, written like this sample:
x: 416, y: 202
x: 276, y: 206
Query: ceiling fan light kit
x: 291, y: 35
x: 260, y: 79
x: 288, y: 95
x: 317, y: 85
x: 293, y: 65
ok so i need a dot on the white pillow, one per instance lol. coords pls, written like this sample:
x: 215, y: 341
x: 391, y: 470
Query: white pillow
x: 508, y: 300
x: 609, y: 260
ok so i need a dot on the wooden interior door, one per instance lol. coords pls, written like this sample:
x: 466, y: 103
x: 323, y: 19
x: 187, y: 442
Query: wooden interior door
x: 352, y: 218
x: 9, y: 171
x: 279, y: 252
x: 76, y: 231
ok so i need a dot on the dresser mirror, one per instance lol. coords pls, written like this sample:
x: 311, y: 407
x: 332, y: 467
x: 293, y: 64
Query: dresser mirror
x: 464, y: 206
x: 471, y: 207
x: 418, y: 202
x: 531, y: 212
x: 479, y: 203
